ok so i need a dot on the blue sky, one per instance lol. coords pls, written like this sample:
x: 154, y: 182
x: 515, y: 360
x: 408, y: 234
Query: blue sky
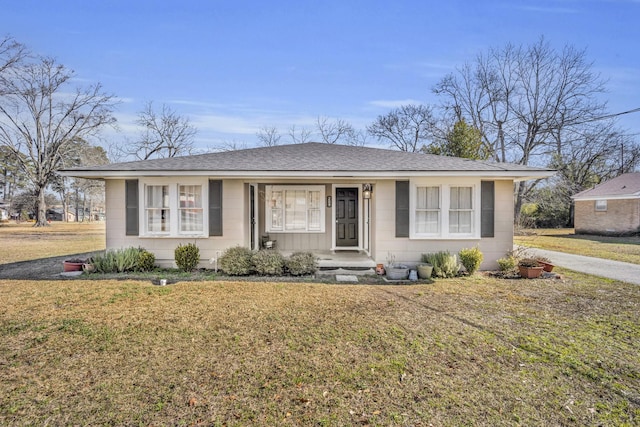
x: 233, y: 67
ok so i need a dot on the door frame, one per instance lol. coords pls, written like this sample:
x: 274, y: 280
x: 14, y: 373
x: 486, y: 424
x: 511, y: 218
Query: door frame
x: 254, y: 227
x: 334, y: 247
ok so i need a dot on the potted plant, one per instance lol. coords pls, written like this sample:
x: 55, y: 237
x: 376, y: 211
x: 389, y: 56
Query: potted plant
x: 396, y: 271
x: 425, y: 270
x: 73, y: 264
x: 529, y: 268
x: 545, y: 263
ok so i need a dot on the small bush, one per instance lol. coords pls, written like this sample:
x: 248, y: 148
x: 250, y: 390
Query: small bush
x: 116, y: 261
x: 471, y: 259
x: 507, y: 263
x: 187, y: 256
x: 268, y: 262
x: 301, y: 263
x: 146, y: 260
x: 236, y: 261
x: 444, y: 263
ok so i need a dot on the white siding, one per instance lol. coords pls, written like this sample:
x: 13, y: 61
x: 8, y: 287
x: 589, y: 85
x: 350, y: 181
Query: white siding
x: 410, y: 250
x: 234, y: 233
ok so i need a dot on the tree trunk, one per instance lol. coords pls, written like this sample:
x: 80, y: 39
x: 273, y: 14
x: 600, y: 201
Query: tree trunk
x: 41, y: 212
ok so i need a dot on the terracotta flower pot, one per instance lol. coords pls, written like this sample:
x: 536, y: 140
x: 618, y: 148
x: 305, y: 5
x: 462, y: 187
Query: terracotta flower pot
x: 547, y: 266
x: 530, y: 272
x: 72, y: 266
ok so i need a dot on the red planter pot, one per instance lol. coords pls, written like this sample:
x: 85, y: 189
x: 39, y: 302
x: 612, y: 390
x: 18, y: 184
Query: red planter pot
x: 72, y: 266
x: 530, y: 272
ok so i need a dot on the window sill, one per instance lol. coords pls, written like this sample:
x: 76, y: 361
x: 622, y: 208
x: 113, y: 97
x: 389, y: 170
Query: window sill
x: 447, y: 237
x: 173, y: 236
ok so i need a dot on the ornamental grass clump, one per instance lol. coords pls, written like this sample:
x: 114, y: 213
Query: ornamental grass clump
x: 121, y: 260
x: 301, y: 264
x: 444, y: 263
x: 268, y: 262
x: 187, y: 257
x: 471, y: 258
x: 236, y: 261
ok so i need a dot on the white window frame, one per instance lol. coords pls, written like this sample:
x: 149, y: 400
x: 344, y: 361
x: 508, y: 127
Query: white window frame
x: 445, y: 206
x: 174, y: 207
x: 269, y: 189
x: 600, y: 205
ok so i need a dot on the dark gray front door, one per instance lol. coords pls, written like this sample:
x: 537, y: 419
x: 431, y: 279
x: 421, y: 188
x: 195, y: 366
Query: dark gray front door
x: 346, y: 217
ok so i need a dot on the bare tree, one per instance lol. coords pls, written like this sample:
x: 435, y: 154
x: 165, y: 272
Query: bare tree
x: 406, y: 128
x: 164, y: 134
x: 11, y: 53
x: 40, y: 117
x: 268, y: 136
x: 299, y: 136
x: 337, y: 131
x: 523, y: 100
x: 232, y: 145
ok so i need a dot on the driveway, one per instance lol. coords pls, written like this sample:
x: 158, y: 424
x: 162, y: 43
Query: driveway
x: 616, y: 270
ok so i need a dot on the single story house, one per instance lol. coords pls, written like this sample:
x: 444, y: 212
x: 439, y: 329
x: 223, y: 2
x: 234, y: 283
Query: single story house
x: 312, y: 197
x: 612, y: 207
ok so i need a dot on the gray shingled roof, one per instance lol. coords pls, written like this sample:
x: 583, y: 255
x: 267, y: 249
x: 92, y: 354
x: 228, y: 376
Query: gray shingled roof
x: 312, y: 157
x: 627, y: 184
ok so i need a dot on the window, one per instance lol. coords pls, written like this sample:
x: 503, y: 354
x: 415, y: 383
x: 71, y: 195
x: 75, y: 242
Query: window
x: 158, y: 214
x: 601, y: 205
x: 441, y: 210
x: 428, y: 210
x: 295, y: 209
x: 191, y: 216
x: 174, y: 209
x: 460, y: 210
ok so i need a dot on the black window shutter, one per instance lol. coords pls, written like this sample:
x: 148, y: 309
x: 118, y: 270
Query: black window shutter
x: 131, y: 207
x: 487, y: 203
x: 215, y: 207
x: 402, y: 208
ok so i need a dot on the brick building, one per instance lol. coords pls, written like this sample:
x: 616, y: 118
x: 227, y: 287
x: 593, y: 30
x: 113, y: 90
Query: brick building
x: 612, y: 207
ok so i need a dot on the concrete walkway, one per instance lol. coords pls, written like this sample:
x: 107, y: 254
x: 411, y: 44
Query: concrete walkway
x: 617, y: 270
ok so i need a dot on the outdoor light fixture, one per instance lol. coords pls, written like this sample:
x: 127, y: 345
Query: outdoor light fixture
x: 367, y: 189
x: 328, y: 201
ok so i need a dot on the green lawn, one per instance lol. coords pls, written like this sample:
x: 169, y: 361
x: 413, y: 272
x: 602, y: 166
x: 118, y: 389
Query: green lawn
x: 625, y: 249
x: 469, y: 351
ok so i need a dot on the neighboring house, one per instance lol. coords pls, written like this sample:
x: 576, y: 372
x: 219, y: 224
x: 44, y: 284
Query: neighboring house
x: 612, y: 207
x: 312, y: 197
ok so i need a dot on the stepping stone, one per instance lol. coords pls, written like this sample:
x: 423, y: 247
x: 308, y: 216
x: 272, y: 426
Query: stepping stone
x: 346, y: 278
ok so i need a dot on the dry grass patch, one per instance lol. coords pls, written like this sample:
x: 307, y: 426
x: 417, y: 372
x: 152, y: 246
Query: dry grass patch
x: 625, y: 249
x: 23, y: 242
x: 471, y: 351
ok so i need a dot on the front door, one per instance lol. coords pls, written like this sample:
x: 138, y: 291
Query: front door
x: 347, y: 217
x: 252, y: 215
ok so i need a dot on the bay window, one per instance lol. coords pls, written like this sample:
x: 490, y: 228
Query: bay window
x: 295, y: 208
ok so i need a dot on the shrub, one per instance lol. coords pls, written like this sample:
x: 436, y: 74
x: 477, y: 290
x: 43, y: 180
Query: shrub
x: 471, y: 259
x: 236, y: 261
x: 187, y: 256
x: 301, y: 263
x: 507, y: 263
x: 268, y: 262
x: 146, y: 260
x: 444, y: 263
x: 116, y: 261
